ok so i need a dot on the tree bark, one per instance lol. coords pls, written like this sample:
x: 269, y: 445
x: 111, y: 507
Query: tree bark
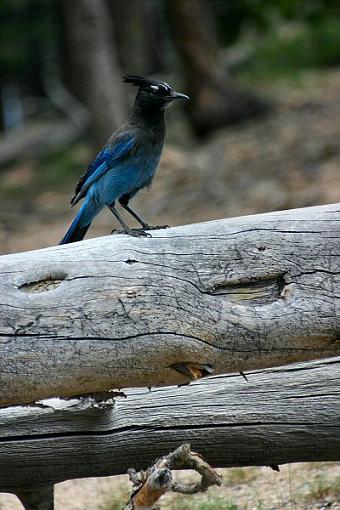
x: 139, y: 35
x: 91, y: 63
x: 215, y: 100
x: 219, y: 297
x: 287, y: 414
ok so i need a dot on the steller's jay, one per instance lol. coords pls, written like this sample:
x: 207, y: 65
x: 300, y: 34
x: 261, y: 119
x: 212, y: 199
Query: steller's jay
x: 128, y: 161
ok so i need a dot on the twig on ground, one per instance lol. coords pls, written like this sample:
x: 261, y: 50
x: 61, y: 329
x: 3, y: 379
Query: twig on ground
x: 150, y: 485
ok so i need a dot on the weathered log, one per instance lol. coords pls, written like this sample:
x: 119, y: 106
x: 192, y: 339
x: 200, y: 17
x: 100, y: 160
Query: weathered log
x: 117, y: 311
x: 287, y: 414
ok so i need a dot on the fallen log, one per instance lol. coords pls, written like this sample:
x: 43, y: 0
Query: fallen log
x: 286, y: 414
x: 223, y: 296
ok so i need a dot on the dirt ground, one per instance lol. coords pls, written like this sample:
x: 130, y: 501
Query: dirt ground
x: 312, y: 486
x: 289, y: 159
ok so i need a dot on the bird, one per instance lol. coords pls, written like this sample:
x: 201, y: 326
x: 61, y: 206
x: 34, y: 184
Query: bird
x: 127, y: 162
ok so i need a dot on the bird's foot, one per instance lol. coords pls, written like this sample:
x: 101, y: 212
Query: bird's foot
x: 156, y: 227
x: 138, y: 232
x: 134, y: 232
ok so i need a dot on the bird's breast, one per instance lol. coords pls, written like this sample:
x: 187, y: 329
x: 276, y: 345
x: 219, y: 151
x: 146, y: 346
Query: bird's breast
x: 128, y: 177
x: 144, y: 169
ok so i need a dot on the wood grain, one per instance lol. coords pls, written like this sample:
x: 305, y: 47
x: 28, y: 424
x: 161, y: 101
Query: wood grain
x: 115, y: 312
x: 286, y: 414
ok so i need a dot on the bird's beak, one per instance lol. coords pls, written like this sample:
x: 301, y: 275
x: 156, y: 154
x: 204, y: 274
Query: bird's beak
x: 178, y: 95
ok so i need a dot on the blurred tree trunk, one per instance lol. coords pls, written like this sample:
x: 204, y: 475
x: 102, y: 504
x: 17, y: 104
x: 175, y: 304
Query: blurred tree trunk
x: 92, y: 69
x: 139, y: 35
x: 215, y: 100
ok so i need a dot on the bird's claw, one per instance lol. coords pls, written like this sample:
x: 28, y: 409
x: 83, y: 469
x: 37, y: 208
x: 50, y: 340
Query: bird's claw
x: 156, y: 227
x: 134, y: 232
x: 138, y: 232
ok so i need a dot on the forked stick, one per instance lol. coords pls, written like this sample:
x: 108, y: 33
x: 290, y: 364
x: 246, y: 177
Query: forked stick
x: 150, y: 485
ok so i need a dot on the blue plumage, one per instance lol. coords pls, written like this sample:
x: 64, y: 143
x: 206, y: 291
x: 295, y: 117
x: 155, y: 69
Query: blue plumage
x: 127, y: 163
x: 109, y: 158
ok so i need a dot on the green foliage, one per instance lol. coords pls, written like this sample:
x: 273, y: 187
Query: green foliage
x: 288, y: 48
x: 114, y: 501
x: 32, y: 38
x: 61, y: 168
x: 285, y: 35
x: 323, y: 487
x: 238, y: 476
x: 207, y: 502
x: 202, y: 502
x: 57, y: 171
x: 28, y: 32
x: 233, y: 17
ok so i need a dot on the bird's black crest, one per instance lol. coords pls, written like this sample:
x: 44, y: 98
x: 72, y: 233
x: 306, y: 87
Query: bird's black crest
x: 142, y: 82
x: 138, y: 81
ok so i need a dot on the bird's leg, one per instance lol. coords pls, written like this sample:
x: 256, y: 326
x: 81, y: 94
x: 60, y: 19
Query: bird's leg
x: 136, y: 216
x: 140, y: 220
x: 128, y: 230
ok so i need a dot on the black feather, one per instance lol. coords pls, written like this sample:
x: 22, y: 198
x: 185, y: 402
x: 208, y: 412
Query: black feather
x: 138, y: 81
x: 143, y: 82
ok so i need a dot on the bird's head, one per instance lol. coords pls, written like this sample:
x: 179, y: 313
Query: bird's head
x: 154, y: 93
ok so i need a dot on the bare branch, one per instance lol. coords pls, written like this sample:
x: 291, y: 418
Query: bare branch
x: 150, y: 485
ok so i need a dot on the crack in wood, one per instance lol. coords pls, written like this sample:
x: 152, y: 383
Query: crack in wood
x: 257, y: 291
x: 50, y: 282
x: 237, y: 294
x: 157, y: 428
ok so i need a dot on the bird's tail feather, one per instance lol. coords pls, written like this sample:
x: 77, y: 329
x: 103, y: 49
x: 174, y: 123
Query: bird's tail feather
x: 78, y: 227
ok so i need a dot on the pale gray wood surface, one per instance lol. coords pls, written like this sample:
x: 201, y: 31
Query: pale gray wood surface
x: 287, y: 414
x: 117, y: 311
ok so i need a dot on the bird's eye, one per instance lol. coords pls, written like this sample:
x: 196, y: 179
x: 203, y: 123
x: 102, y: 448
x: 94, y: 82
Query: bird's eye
x: 154, y: 87
x: 165, y: 89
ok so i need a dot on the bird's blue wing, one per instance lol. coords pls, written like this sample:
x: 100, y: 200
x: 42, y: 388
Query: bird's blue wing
x: 107, y: 157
